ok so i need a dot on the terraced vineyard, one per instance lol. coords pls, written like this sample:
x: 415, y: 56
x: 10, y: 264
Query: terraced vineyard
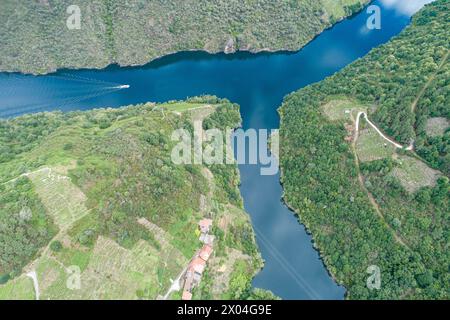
x: 125, y: 216
x: 65, y: 203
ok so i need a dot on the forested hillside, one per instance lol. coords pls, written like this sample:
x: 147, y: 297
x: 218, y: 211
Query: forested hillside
x: 34, y: 37
x: 366, y: 202
x: 98, y: 190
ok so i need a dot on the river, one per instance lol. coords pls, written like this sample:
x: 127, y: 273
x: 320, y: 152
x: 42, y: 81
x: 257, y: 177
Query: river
x: 258, y: 82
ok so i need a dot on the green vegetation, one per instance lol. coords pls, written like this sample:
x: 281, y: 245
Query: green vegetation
x: 360, y: 212
x: 111, y: 272
x: 63, y: 200
x: 335, y: 10
x: 240, y: 284
x: 437, y: 126
x: 24, y: 228
x: 18, y: 289
x: 371, y: 146
x: 98, y: 190
x: 413, y: 174
x: 341, y: 108
x: 56, y: 246
x: 34, y: 37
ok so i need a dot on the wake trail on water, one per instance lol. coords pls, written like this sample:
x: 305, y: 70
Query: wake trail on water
x: 59, y: 104
x: 86, y: 88
x: 72, y: 77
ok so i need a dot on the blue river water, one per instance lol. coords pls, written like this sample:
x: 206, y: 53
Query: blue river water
x: 257, y: 82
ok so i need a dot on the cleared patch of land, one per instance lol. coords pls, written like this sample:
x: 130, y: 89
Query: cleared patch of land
x: 181, y: 106
x: 63, y: 200
x: 338, y: 8
x: 108, y: 271
x: 437, y: 126
x: 371, y: 146
x: 222, y: 269
x: 18, y: 289
x: 414, y: 174
x: 342, y: 109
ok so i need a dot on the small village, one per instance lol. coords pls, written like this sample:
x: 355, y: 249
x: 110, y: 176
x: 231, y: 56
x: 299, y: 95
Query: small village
x: 197, y: 265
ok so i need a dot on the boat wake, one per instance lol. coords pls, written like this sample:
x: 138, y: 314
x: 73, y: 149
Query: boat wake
x: 79, y: 89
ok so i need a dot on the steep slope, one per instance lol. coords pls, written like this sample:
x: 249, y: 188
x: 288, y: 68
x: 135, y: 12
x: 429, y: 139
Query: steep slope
x: 97, y: 192
x: 34, y: 37
x: 369, y: 204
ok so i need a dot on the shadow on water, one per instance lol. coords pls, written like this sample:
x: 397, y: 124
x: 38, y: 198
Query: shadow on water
x: 258, y: 82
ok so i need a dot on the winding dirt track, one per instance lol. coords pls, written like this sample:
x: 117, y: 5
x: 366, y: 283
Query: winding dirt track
x: 33, y: 276
x: 397, y: 145
x: 429, y: 82
x: 361, y: 178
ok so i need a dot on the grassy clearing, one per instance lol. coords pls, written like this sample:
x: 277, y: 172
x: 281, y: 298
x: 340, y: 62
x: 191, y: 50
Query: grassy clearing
x: 342, y: 109
x: 414, y: 174
x: 181, y: 106
x: 62, y: 199
x: 183, y: 234
x: 437, y: 126
x: 110, y: 271
x: 166, y: 241
x: 52, y: 278
x: 337, y: 8
x: 197, y: 111
x: 18, y: 289
x: 371, y: 146
x: 222, y: 269
x: 115, y: 272
x: 70, y: 256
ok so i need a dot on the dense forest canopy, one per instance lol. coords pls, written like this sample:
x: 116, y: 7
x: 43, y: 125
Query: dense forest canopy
x: 34, y: 37
x: 361, y: 214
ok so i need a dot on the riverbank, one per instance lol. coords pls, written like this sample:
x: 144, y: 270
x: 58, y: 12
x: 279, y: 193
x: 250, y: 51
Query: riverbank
x: 149, y: 227
x: 128, y: 34
x: 362, y: 198
x: 258, y: 84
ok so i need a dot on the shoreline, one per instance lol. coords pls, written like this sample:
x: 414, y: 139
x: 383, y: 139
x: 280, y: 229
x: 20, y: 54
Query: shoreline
x: 112, y: 64
x: 322, y: 257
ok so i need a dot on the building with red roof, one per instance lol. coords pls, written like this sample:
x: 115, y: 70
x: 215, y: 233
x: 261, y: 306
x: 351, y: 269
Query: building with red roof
x: 205, y: 225
x: 198, y: 265
x: 206, y: 252
x: 186, y: 295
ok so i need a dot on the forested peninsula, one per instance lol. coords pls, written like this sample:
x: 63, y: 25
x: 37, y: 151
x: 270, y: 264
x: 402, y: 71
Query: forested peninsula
x: 370, y: 204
